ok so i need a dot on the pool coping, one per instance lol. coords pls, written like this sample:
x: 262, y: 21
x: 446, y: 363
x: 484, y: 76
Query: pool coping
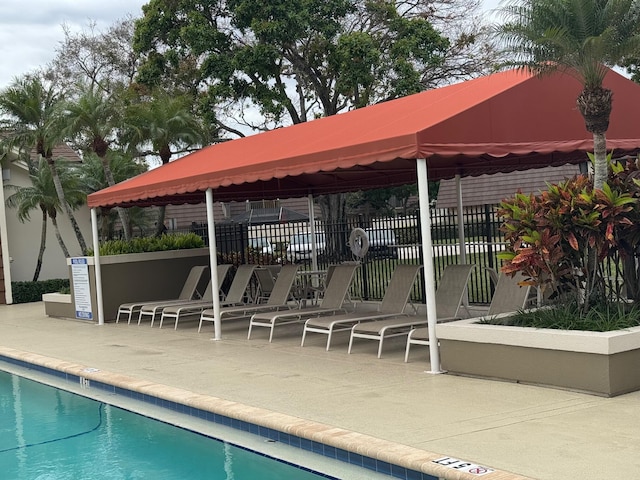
x: 382, y: 456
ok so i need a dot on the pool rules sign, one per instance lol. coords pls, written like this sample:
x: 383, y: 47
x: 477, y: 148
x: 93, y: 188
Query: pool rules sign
x: 81, y: 288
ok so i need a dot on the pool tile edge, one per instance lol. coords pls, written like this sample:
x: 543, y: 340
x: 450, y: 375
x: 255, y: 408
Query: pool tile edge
x: 400, y: 461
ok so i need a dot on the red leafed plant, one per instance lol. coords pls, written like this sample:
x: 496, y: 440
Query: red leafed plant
x: 567, y: 239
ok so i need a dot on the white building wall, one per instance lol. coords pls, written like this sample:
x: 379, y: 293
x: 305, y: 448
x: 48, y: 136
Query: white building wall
x: 24, y: 238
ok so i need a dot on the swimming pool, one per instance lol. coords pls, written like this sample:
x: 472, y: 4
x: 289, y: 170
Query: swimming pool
x: 239, y: 444
x: 50, y: 433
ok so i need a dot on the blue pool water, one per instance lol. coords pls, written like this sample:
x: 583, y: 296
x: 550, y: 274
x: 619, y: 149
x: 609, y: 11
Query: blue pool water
x: 48, y: 433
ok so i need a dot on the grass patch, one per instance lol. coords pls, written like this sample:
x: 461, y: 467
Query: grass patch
x: 603, y: 317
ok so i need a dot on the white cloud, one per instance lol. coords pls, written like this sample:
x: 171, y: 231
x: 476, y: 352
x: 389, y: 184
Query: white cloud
x: 30, y: 30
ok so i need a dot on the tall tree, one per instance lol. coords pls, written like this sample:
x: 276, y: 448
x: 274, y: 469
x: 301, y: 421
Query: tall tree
x: 34, y: 120
x: 162, y: 125
x: 581, y: 38
x: 104, y: 60
x: 42, y: 195
x: 91, y: 121
x: 290, y: 60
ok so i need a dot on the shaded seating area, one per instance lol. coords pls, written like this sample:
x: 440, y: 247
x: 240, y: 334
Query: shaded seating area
x: 393, y: 304
x: 508, y: 297
x: 237, y: 295
x: 153, y: 309
x: 332, y: 302
x: 189, y: 292
x: 449, y: 296
x: 279, y: 299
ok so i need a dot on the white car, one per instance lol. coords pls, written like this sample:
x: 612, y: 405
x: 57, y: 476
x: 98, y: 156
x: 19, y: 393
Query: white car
x: 383, y: 242
x: 261, y: 245
x: 299, y: 247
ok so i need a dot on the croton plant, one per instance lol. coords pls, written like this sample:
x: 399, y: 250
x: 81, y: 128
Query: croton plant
x: 574, y: 240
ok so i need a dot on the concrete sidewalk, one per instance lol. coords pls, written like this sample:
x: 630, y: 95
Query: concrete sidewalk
x: 536, y: 432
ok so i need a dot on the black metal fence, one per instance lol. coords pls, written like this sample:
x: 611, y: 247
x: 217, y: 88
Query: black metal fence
x: 275, y: 244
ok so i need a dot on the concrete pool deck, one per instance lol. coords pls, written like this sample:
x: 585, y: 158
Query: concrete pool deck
x: 519, y: 430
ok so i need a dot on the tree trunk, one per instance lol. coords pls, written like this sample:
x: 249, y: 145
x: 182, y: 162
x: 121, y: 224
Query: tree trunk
x: 43, y: 244
x: 334, y: 214
x: 160, y: 228
x: 601, y: 166
x: 65, y: 205
x: 122, y: 213
x: 59, y: 237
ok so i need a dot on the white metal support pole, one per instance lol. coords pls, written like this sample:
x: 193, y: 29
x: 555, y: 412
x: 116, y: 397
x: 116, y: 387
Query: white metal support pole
x: 312, y: 232
x: 429, y: 271
x: 461, y: 238
x: 213, y: 261
x: 96, y: 264
x: 462, y: 244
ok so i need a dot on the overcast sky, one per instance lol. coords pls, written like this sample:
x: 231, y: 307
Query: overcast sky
x: 30, y: 30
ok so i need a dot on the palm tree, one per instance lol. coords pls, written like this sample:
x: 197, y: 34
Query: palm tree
x: 42, y: 195
x: 33, y: 112
x: 166, y: 124
x: 92, y: 119
x: 581, y: 38
x: 122, y: 167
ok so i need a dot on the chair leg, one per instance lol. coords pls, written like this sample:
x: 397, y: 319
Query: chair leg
x: 406, y: 352
x: 200, y: 324
x: 380, y: 345
x: 273, y: 324
x: 329, y: 338
x: 304, y: 334
x: 350, y: 343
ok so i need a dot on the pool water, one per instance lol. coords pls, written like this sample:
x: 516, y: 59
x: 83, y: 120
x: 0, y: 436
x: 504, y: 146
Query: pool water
x: 48, y: 433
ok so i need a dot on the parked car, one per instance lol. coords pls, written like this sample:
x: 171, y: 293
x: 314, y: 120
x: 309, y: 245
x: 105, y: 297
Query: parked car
x: 261, y: 245
x: 299, y: 247
x: 382, y: 242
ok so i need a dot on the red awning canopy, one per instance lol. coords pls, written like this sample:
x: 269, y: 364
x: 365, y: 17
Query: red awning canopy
x: 502, y: 122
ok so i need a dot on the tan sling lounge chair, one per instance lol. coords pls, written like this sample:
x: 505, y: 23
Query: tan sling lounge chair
x: 237, y: 295
x: 332, y: 302
x: 393, y: 304
x: 153, y: 309
x: 189, y: 291
x: 449, y: 295
x: 279, y: 299
x: 507, y: 297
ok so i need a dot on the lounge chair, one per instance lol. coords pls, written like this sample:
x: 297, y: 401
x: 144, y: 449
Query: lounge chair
x: 189, y: 290
x: 266, y: 281
x: 237, y: 295
x: 279, y: 299
x: 332, y: 302
x: 449, y: 295
x: 393, y: 304
x: 152, y: 309
x: 507, y: 297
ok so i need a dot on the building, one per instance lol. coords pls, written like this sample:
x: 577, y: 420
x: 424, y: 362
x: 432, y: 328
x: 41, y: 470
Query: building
x: 20, y: 242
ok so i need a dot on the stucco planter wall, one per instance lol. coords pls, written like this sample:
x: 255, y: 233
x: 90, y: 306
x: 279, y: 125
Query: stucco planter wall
x: 58, y: 305
x: 142, y: 276
x: 600, y: 363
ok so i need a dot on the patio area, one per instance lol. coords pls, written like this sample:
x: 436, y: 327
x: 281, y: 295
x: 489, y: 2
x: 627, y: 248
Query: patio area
x: 531, y: 431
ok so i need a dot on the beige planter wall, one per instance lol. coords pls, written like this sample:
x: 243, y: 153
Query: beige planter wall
x: 143, y: 276
x: 601, y: 363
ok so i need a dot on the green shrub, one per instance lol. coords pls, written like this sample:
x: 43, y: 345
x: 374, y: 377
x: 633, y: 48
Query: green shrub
x: 179, y: 241
x: 27, y: 292
x: 602, y: 317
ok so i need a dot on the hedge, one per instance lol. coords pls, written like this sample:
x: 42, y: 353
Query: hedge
x: 27, y: 292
